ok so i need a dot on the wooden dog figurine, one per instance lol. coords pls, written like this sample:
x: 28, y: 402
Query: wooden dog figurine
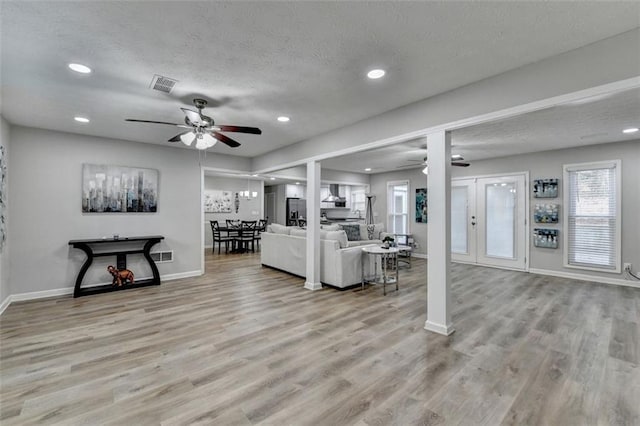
x: 120, y: 277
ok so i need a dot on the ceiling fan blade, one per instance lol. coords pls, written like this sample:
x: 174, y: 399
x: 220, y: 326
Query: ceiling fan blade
x: 240, y: 129
x: 226, y: 140
x: 150, y: 121
x: 419, y: 161
x: 176, y: 138
x: 193, y: 116
x: 460, y: 164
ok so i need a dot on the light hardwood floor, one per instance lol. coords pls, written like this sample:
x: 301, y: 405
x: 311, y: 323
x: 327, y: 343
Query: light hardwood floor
x: 248, y: 345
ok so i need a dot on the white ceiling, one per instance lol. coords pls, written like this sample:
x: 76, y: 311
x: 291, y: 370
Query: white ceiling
x: 258, y: 60
x: 592, y: 121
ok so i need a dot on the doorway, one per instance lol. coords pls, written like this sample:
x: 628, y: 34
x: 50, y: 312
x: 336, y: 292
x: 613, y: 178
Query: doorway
x: 489, y: 221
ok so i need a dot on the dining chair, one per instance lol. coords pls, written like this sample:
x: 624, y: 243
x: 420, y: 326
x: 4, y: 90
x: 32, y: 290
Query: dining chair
x: 247, y: 235
x: 218, y: 238
x: 262, y: 227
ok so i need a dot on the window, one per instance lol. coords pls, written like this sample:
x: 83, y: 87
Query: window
x: 358, y: 202
x: 398, y: 207
x: 592, y: 216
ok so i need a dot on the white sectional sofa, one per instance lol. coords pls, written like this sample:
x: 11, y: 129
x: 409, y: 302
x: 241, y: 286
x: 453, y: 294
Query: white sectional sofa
x: 285, y: 248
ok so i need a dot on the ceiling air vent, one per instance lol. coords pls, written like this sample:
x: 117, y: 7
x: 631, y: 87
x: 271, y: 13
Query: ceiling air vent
x: 163, y: 84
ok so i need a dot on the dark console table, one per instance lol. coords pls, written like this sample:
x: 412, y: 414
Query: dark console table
x: 121, y: 260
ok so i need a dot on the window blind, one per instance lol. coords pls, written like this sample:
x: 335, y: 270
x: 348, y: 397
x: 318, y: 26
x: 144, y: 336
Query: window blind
x: 592, y: 217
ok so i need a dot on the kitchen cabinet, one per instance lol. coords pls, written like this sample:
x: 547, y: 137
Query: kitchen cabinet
x: 296, y: 191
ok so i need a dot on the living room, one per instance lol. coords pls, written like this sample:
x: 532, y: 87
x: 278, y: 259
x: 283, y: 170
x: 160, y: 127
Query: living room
x: 514, y: 89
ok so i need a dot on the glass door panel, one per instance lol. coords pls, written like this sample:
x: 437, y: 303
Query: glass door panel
x: 463, y: 234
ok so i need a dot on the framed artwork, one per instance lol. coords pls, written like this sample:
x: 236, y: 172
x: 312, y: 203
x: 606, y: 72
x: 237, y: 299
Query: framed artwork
x: 421, y: 205
x: 217, y: 201
x: 119, y: 189
x: 546, y: 238
x: 546, y: 213
x: 545, y: 188
x: 3, y: 196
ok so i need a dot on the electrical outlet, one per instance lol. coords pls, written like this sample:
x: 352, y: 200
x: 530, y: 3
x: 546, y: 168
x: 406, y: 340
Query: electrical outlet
x: 627, y: 266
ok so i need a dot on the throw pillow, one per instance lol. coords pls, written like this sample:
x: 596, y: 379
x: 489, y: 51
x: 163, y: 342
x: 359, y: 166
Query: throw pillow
x: 353, y: 231
x: 280, y: 229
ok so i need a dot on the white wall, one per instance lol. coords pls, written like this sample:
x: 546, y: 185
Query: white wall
x: 379, y: 188
x: 5, y: 289
x: 549, y: 164
x: 46, y: 206
x: 248, y: 210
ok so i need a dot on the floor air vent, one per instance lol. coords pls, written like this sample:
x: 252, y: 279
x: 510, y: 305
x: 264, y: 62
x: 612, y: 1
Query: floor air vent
x: 163, y: 84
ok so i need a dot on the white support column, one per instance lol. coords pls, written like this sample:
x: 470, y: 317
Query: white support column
x: 313, y: 226
x: 439, y: 237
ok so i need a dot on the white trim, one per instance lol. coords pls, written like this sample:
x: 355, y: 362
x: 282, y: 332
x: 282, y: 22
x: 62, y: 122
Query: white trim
x: 419, y: 255
x: 446, y: 330
x: 34, y: 295
x: 584, y: 277
x: 604, y: 89
x: 312, y: 286
x: 607, y: 164
x: 5, y: 303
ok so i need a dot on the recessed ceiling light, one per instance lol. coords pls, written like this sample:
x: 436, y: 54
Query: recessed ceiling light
x: 630, y: 130
x: 456, y: 157
x: 297, y: 183
x: 272, y: 178
x: 368, y: 169
x: 283, y: 119
x: 83, y: 69
x: 254, y: 175
x: 81, y: 119
x: 375, y: 74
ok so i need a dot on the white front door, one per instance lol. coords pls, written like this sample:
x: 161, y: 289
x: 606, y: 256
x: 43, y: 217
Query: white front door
x: 491, y: 229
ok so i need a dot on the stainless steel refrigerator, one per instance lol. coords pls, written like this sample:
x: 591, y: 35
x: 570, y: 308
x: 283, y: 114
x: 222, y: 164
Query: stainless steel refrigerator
x: 296, y: 209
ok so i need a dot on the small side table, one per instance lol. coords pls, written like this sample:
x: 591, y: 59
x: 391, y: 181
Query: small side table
x: 404, y: 254
x: 389, y: 263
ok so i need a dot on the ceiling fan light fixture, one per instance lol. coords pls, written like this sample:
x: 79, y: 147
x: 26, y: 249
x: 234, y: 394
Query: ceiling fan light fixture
x: 188, y: 138
x: 209, y: 140
x: 425, y: 170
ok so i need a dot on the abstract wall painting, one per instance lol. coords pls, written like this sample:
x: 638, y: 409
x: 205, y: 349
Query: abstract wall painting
x: 421, y: 205
x: 3, y: 196
x: 546, y: 238
x: 545, y: 188
x: 119, y: 189
x: 546, y: 213
x: 217, y: 201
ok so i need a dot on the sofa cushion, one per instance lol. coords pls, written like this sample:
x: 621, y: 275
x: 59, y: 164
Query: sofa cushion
x: 363, y: 243
x: 352, y: 230
x: 332, y: 227
x: 339, y: 236
x: 296, y: 232
x: 280, y: 229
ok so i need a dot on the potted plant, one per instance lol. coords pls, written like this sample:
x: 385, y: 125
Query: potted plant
x: 388, y: 241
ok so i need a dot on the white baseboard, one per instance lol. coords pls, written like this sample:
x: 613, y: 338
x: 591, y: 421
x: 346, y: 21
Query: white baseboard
x: 445, y: 330
x: 21, y: 297
x: 584, y: 277
x: 312, y: 286
x: 5, y: 304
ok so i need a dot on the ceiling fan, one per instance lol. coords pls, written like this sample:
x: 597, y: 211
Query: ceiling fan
x: 201, y: 128
x: 456, y: 160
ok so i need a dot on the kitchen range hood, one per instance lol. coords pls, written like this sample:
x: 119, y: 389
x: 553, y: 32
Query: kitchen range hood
x: 334, y: 194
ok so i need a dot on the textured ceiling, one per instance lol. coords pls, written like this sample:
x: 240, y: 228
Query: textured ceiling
x: 258, y: 60
x: 592, y: 121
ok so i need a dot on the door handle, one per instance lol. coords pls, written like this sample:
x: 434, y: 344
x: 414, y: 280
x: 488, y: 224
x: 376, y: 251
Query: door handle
x: 473, y: 223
